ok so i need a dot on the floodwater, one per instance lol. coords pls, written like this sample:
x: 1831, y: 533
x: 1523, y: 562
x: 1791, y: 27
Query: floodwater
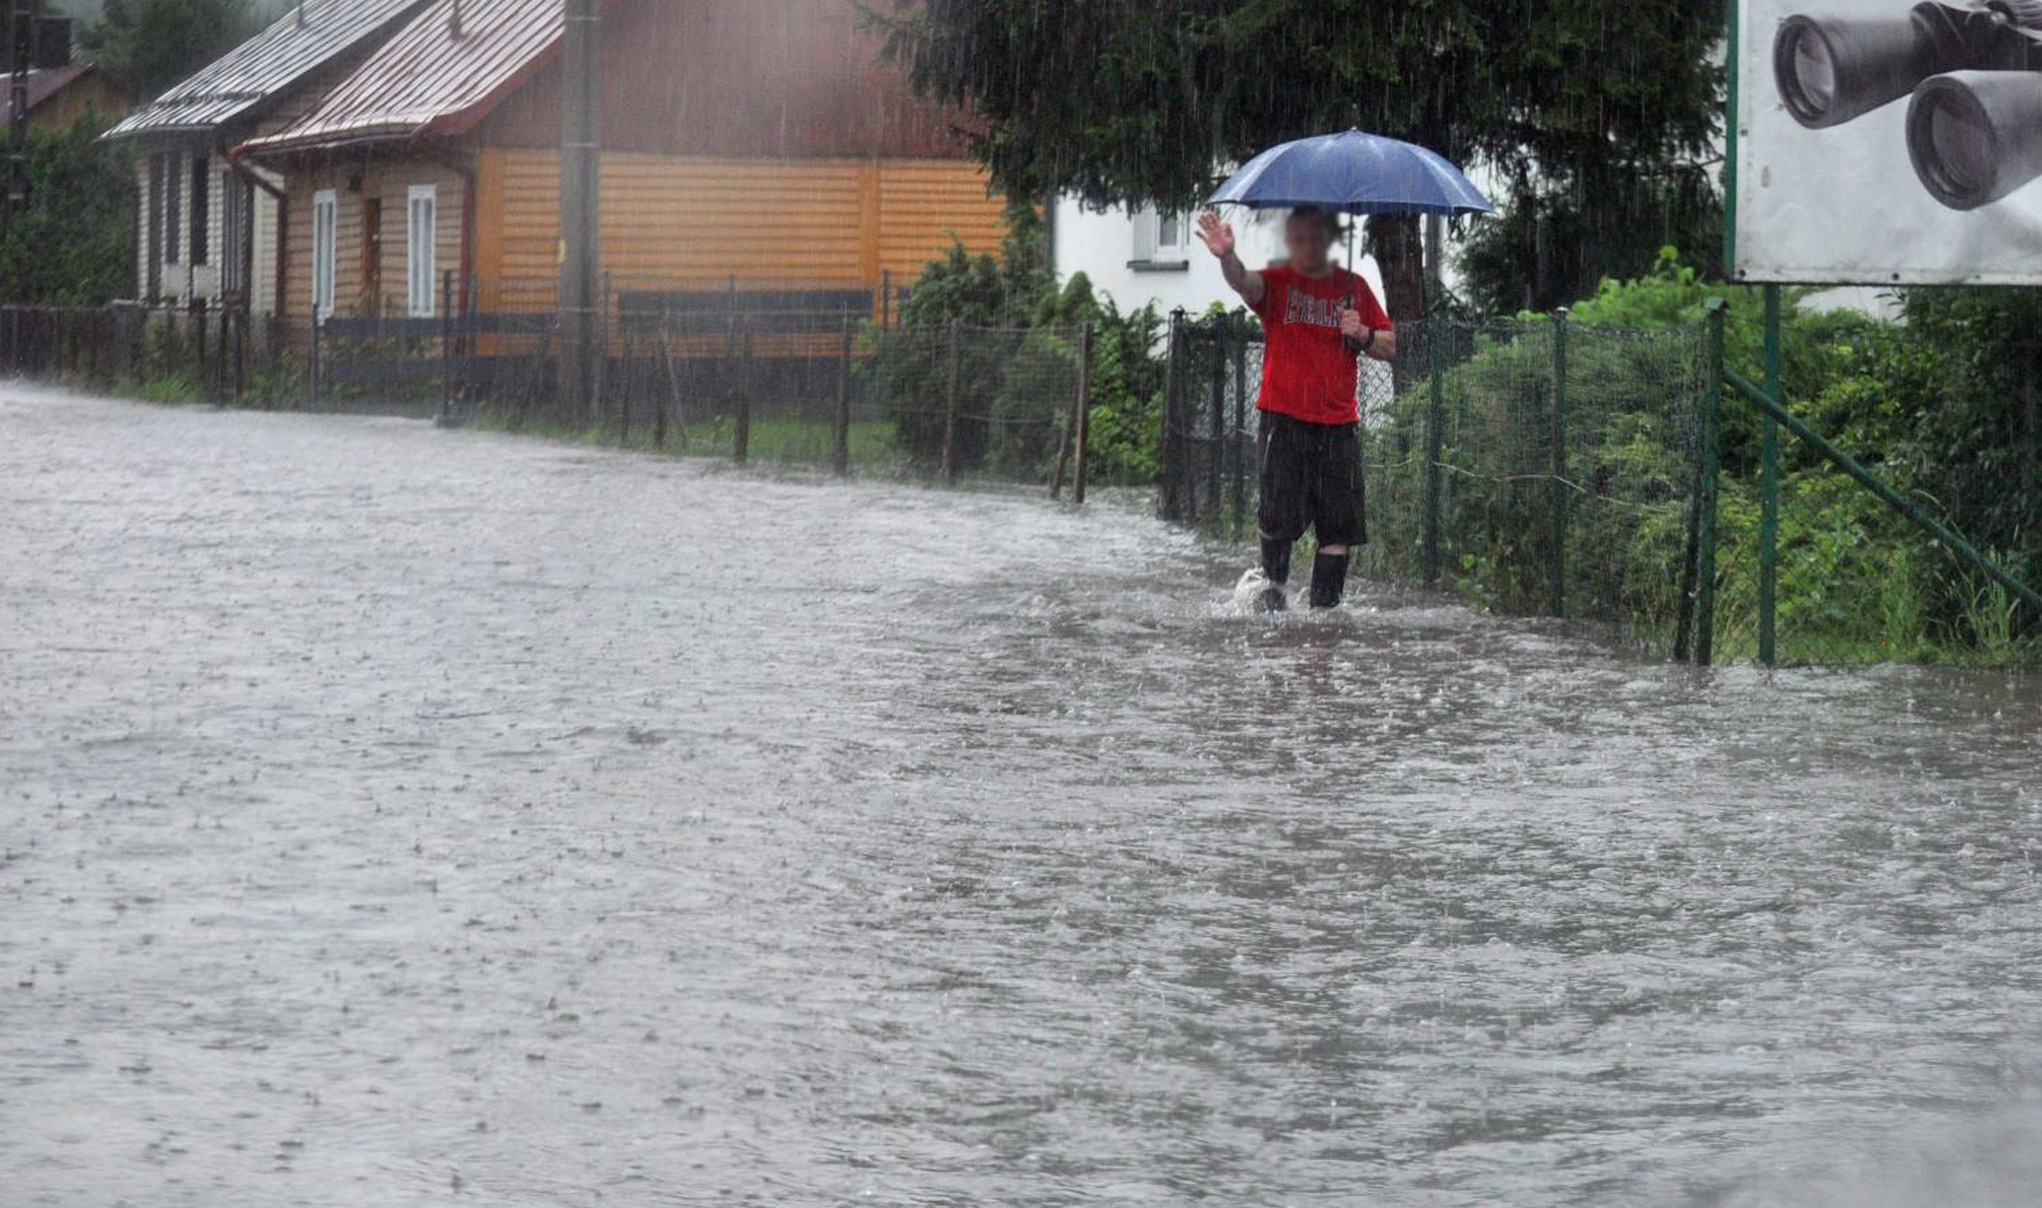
x: 396, y: 817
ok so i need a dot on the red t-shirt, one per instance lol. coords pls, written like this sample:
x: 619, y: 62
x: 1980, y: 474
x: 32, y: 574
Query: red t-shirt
x: 1308, y: 371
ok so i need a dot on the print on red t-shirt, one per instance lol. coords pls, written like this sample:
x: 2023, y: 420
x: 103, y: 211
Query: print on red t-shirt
x: 1308, y: 372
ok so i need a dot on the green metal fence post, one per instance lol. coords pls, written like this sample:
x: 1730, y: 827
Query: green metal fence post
x: 1171, y: 473
x: 1435, y: 437
x: 1712, y: 462
x: 1558, y: 485
x: 1769, y: 491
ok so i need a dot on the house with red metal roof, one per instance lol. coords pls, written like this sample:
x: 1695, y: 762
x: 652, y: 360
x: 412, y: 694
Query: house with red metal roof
x: 212, y: 232
x: 747, y: 145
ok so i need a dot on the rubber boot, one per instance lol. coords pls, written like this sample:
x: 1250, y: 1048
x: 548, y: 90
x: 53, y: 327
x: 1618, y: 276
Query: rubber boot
x: 1329, y: 579
x: 1275, y: 569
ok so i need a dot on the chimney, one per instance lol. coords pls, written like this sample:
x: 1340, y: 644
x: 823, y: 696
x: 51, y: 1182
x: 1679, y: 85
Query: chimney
x: 454, y: 22
x: 301, y: 14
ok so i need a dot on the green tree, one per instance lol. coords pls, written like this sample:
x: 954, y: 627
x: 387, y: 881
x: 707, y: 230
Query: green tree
x: 1546, y: 249
x: 146, y: 46
x: 1137, y: 102
x: 74, y: 245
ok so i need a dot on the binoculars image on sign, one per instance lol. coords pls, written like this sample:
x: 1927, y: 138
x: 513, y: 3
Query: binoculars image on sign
x: 1974, y: 125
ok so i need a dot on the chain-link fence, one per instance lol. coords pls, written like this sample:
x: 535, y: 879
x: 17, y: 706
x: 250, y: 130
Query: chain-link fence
x: 1543, y: 467
x: 1537, y: 468
x: 163, y: 354
x: 758, y: 374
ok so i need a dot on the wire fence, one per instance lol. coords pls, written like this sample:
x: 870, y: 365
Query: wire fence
x: 1534, y: 467
x: 795, y: 377
x: 1549, y: 468
x: 1538, y: 469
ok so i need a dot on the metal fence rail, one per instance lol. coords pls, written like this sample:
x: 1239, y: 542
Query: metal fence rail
x: 1543, y: 467
x: 766, y: 375
x: 1537, y: 468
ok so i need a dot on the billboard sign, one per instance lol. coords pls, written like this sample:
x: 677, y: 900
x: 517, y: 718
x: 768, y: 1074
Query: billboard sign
x: 1887, y: 142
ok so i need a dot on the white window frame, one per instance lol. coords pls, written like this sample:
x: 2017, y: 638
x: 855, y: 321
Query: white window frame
x: 421, y: 248
x: 1173, y: 249
x: 325, y: 249
x: 1151, y: 250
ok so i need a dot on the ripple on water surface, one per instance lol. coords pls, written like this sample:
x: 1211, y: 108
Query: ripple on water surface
x: 400, y: 817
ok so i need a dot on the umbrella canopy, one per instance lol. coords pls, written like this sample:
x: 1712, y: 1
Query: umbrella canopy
x: 1353, y: 173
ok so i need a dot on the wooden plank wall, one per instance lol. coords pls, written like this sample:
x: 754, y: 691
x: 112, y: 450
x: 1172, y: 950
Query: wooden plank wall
x: 391, y: 181
x: 673, y: 222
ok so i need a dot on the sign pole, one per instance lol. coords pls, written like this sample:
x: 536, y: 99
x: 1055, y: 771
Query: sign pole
x: 1769, y: 490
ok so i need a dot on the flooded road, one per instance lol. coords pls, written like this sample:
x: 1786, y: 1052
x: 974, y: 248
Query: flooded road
x: 395, y: 817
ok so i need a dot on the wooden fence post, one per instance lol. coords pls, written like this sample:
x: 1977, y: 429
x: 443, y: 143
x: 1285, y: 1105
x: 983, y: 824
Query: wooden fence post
x: 446, y: 413
x: 840, y: 459
x: 1067, y: 438
x: 1171, y: 470
x: 741, y: 435
x: 198, y: 364
x: 313, y: 373
x: 1084, y: 407
x: 951, y: 468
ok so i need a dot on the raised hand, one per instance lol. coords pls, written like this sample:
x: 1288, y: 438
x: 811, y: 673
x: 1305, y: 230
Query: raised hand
x: 1216, y: 235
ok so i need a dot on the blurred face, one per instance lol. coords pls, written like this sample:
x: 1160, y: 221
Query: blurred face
x: 1309, y: 239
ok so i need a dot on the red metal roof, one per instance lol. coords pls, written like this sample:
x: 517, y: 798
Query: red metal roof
x: 241, y: 82
x: 426, y: 80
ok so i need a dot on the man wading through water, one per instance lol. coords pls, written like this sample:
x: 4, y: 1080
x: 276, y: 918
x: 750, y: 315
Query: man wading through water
x: 1317, y: 319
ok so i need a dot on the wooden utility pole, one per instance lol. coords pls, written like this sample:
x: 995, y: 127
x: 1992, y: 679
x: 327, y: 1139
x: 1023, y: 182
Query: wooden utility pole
x: 580, y: 205
x: 20, y: 36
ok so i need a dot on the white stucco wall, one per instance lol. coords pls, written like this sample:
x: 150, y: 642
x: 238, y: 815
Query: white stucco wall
x: 1103, y: 246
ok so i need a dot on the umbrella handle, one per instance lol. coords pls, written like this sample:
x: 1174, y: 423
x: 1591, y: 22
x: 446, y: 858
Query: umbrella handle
x: 1351, y: 274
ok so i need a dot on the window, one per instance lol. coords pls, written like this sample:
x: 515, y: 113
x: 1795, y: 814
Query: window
x: 1173, y: 238
x: 421, y: 235
x: 201, y: 209
x: 152, y: 284
x: 237, y: 206
x: 173, y: 205
x: 325, y: 216
x: 1161, y: 240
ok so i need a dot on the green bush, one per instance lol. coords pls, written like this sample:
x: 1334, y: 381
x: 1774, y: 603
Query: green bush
x: 1630, y: 436
x: 74, y: 244
x: 912, y: 363
x: 1017, y: 365
x: 1128, y: 381
x: 1925, y: 403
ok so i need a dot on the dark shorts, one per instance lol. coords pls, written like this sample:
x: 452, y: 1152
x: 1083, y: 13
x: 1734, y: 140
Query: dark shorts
x: 1312, y: 478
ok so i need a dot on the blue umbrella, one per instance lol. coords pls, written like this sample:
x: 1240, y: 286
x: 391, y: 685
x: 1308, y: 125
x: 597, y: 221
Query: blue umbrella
x: 1353, y: 173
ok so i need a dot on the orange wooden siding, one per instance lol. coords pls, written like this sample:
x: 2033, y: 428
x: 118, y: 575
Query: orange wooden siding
x: 673, y: 222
